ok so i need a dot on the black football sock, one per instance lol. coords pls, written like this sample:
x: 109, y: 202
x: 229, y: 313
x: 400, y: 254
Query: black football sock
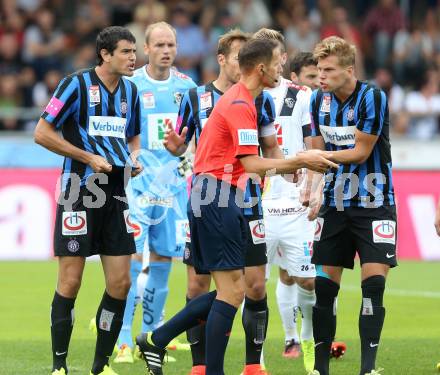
x: 108, y: 324
x: 194, y: 313
x: 371, y: 318
x: 196, y: 338
x: 62, y: 317
x: 255, y: 319
x: 218, y: 330
x: 324, y: 321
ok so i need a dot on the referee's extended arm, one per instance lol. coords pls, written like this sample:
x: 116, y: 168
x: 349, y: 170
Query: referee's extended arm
x: 46, y: 136
x: 313, y: 159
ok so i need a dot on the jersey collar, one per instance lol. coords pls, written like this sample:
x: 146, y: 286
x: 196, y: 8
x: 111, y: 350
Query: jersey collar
x: 155, y: 81
x: 93, y: 72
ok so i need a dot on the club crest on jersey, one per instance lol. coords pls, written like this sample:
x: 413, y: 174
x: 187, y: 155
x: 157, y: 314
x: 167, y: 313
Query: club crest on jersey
x: 205, y: 100
x: 124, y: 107
x: 178, y: 97
x: 350, y: 114
x: 290, y: 102
x: 325, y: 104
x: 148, y: 100
x: 94, y: 96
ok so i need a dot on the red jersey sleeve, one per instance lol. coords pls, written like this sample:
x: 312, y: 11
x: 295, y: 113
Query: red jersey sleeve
x: 241, y: 118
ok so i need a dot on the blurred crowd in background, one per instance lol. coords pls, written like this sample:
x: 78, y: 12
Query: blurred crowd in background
x: 398, y: 45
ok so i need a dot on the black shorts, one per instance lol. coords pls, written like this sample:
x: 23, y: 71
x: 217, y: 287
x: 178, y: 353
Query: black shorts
x: 256, y: 252
x: 102, y: 227
x: 218, y: 228
x: 369, y: 232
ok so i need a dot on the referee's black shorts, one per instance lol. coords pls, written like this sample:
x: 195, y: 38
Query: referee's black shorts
x: 83, y: 230
x: 369, y: 232
x: 256, y: 251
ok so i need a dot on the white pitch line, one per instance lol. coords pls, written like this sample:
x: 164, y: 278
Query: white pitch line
x: 398, y: 292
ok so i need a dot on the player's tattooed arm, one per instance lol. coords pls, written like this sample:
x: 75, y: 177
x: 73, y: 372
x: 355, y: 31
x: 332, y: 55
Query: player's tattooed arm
x: 46, y: 136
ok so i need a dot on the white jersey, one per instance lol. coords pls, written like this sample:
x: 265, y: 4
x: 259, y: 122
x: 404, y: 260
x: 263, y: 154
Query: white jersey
x: 292, y: 124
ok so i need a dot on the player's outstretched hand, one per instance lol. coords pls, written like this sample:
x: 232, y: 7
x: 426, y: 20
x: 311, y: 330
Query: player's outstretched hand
x: 172, y: 141
x: 99, y: 164
x: 316, y: 160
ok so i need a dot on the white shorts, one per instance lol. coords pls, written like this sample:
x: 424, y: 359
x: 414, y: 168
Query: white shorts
x: 289, y: 236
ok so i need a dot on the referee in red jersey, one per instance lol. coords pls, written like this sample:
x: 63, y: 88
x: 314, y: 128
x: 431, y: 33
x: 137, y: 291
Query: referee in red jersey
x: 227, y: 153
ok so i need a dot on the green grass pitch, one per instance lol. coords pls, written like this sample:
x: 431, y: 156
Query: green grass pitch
x: 410, y: 341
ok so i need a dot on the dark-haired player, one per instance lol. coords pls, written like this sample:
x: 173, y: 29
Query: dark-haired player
x: 97, y: 111
x: 197, y: 105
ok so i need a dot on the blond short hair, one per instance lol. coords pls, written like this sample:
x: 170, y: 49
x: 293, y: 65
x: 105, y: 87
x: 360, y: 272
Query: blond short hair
x: 335, y: 46
x: 226, y: 40
x: 271, y: 34
x: 157, y: 25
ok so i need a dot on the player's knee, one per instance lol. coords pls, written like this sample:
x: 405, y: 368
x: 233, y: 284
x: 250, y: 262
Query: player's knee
x: 326, y: 291
x: 256, y: 290
x: 233, y: 295
x: 306, y: 283
x: 69, y: 288
x: 154, y: 257
x: 237, y: 295
x: 119, y: 287
x: 197, y: 286
x: 68, y: 285
x: 285, y: 277
x: 373, y: 288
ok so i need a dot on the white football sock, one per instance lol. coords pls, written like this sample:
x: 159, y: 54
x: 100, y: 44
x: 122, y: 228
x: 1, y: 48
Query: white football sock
x: 287, y: 302
x: 306, y: 301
